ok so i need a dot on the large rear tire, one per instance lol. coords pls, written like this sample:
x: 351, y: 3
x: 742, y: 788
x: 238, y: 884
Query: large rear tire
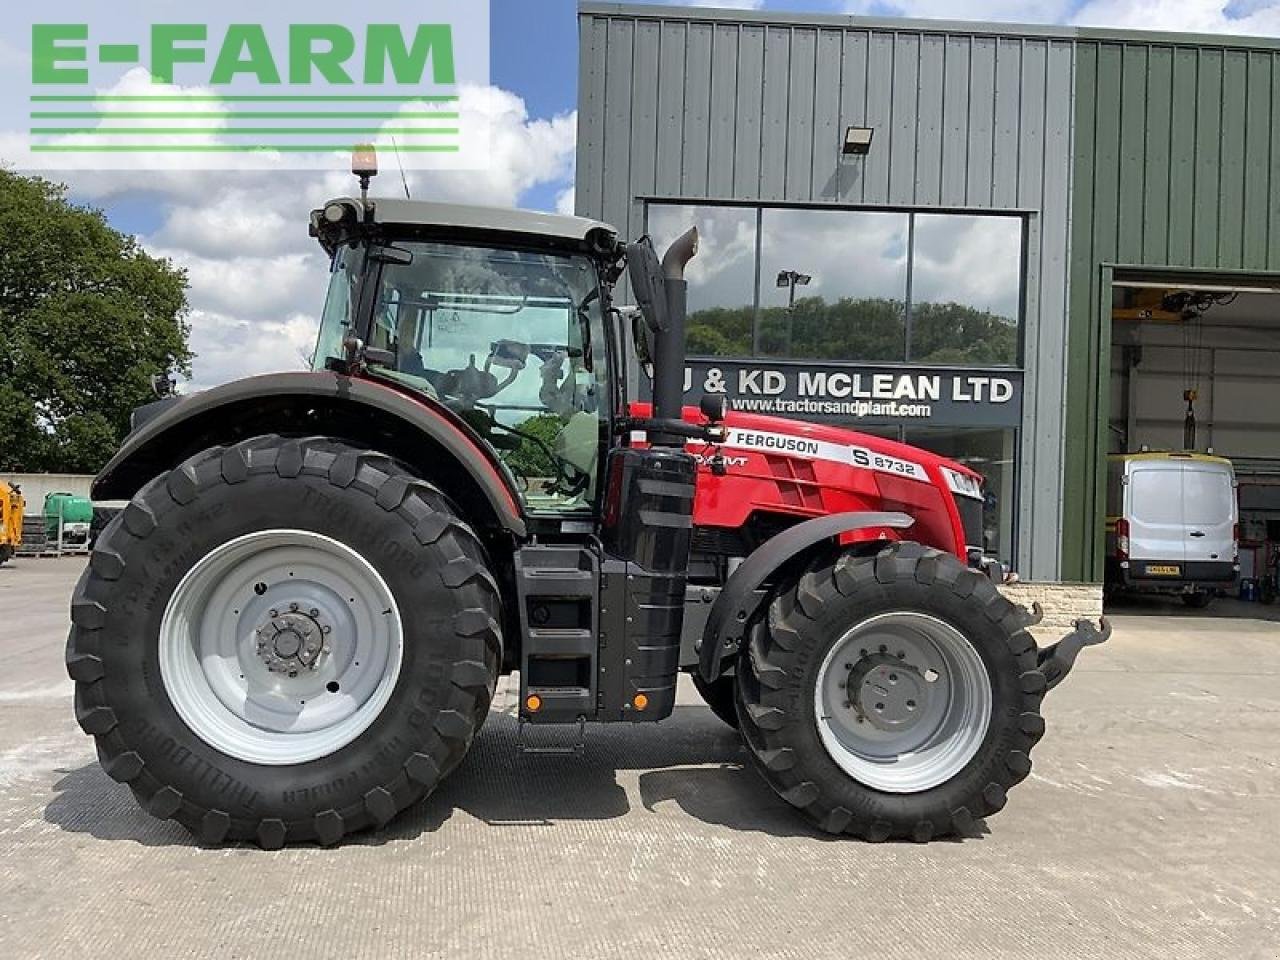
x: 893, y: 696
x: 285, y: 640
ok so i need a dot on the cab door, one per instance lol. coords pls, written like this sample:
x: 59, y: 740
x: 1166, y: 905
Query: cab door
x: 1157, y: 531
x: 1209, y: 511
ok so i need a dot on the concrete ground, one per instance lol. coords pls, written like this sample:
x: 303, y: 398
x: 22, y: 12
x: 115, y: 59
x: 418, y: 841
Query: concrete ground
x: 1148, y: 829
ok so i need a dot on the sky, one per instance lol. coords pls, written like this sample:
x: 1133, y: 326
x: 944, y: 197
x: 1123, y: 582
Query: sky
x: 257, y: 280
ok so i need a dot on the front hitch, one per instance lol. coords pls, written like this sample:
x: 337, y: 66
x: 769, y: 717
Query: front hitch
x: 1055, y: 662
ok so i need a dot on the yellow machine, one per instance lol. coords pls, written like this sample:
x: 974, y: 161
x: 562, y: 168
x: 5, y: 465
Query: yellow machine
x: 11, y: 509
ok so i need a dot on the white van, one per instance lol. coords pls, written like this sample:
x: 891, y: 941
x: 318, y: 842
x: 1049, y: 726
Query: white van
x: 1172, y: 525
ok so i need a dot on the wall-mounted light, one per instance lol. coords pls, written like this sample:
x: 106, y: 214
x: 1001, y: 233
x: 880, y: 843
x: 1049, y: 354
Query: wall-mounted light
x: 857, y: 141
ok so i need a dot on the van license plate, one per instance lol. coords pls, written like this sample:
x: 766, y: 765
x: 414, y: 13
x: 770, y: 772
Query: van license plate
x: 1164, y: 570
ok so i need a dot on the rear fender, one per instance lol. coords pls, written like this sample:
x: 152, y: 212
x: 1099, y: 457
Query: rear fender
x: 422, y: 434
x: 741, y: 598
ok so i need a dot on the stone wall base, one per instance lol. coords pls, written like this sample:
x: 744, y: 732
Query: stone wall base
x: 1063, y: 603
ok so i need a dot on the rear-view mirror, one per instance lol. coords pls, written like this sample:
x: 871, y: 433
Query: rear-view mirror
x: 647, y: 283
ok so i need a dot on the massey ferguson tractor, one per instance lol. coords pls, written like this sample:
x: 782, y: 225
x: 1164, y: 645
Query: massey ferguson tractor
x: 294, y: 630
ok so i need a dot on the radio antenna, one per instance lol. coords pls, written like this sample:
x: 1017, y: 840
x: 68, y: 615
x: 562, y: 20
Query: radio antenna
x: 400, y: 164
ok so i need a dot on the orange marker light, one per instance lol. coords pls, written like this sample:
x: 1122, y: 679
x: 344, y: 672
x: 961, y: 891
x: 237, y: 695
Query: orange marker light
x: 641, y: 702
x: 533, y: 703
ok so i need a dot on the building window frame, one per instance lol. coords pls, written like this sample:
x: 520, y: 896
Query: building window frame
x: 1023, y: 216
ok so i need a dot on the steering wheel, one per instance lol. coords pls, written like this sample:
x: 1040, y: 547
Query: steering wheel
x: 471, y: 384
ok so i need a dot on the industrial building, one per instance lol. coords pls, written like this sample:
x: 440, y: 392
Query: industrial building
x: 1024, y: 247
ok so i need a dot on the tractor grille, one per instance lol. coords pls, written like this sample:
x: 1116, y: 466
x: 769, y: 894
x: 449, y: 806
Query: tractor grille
x: 720, y: 541
x: 971, y: 519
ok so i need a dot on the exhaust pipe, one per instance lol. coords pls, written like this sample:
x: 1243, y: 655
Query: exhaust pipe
x: 669, y: 351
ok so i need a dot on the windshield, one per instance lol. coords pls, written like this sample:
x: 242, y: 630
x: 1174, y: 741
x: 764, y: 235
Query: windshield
x: 503, y: 337
x: 339, y: 307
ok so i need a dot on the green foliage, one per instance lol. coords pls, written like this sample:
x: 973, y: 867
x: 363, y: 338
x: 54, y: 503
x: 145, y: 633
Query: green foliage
x: 529, y: 459
x: 871, y: 330
x: 954, y: 333
x: 87, y: 318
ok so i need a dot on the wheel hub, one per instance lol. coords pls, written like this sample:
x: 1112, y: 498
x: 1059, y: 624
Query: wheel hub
x: 887, y: 692
x: 902, y: 701
x: 291, y: 642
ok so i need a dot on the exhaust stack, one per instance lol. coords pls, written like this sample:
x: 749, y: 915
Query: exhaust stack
x: 669, y: 348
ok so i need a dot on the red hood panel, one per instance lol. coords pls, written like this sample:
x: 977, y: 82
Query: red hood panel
x: 789, y: 467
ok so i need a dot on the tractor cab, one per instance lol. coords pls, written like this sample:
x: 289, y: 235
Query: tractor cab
x: 499, y: 317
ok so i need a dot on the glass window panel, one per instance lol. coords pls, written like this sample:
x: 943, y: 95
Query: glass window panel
x: 833, y: 285
x: 991, y: 453
x: 446, y: 320
x: 966, y: 290
x: 722, y: 276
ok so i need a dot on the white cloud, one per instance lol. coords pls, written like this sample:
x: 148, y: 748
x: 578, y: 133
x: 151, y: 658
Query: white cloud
x: 1194, y: 16
x: 1244, y: 17
x: 1024, y: 11
x: 257, y: 280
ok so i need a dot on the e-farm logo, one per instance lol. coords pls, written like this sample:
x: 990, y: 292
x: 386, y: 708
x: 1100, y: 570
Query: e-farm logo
x: 292, y: 93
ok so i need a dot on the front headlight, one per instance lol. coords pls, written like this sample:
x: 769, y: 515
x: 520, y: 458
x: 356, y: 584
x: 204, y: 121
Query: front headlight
x: 962, y: 484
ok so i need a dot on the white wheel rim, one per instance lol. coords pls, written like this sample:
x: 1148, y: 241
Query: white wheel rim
x: 902, y: 702
x: 281, y: 647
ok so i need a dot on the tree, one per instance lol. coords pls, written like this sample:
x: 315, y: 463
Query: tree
x: 530, y: 459
x: 868, y: 330
x: 87, y: 318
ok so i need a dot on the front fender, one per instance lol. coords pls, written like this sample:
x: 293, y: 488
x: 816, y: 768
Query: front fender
x: 411, y: 429
x: 740, y: 598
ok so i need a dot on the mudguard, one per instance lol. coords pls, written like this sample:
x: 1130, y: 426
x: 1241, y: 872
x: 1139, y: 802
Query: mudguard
x: 740, y: 598
x: 169, y: 434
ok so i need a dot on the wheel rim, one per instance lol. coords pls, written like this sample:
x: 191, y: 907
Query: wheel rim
x: 902, y: 702
x: 280, y: 647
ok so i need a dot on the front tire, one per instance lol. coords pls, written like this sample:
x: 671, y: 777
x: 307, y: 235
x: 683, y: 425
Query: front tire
x: 284, y: 641
x: 893, y: 696
x: 1198, y: 600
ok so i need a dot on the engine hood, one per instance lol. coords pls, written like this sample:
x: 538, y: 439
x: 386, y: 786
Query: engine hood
x: 766, y: 434
x: 752, y: 423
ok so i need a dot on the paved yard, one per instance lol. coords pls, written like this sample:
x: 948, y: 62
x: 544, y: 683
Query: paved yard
x: 1148, y: 829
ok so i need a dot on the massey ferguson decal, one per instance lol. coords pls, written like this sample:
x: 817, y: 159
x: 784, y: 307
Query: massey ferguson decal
x: 845, y: 393
x: 763, y: 442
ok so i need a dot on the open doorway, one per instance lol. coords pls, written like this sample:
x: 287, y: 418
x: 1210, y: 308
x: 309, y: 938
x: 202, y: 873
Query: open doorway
x: 1195, y: 370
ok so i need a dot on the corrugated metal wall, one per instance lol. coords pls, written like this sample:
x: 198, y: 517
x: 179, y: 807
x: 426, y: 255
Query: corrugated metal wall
x: 702, y: 104
x: 1176, y: 154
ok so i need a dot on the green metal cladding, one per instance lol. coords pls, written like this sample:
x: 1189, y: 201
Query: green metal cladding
x: 1175, y: 165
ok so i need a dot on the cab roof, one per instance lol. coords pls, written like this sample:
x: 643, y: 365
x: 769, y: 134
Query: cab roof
x: 1169, y: 455
x: 532, y: 223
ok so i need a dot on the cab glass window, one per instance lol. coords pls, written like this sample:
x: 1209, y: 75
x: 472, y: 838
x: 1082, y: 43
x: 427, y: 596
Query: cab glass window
x: 503, y: 337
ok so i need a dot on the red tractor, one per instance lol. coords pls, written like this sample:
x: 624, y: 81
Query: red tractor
x: 294, y: 630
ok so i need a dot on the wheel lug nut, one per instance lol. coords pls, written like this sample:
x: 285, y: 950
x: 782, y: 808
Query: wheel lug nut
x: 326, y: 630
x: 274, y: 613
x: 313, y: 612
x: 293, y: 608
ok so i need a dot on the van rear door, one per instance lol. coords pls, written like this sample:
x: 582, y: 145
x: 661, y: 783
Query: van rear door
x: 1209, y: 508
x: 1156, y: 528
